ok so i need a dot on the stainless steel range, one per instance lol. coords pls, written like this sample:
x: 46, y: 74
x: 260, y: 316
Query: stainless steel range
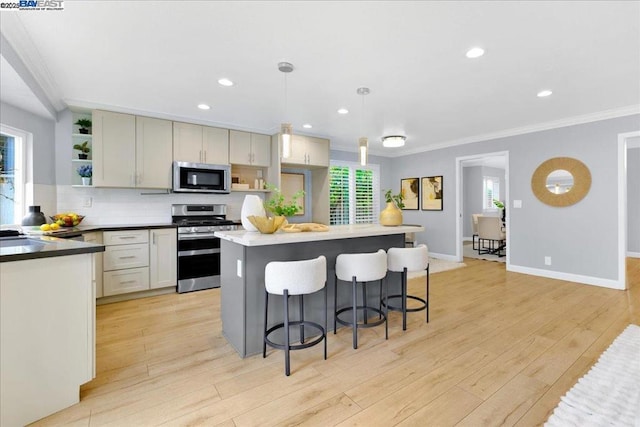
x: 198, y: 248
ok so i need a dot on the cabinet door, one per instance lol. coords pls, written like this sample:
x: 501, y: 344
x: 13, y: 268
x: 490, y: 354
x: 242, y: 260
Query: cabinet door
x: 239, y: 147
x: 163, y: 258
x: 114, y: 149
x: 124, y: 281
x: 298, y: 151
x: 261, y: 150
x: 154, y: 152
x: 96, y: 264
x: 119, y: 257
x: 317, y: 152
x: 187, y: 142
x: 215, y: 145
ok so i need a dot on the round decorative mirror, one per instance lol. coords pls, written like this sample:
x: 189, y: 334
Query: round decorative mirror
x: 561, y: 181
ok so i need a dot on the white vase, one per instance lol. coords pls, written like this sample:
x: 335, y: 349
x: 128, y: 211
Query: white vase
x: 86, y: 181
x: 252, y: 205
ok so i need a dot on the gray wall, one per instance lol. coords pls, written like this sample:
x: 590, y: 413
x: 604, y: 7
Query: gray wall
x: 633, y: 200
x: 44, y: 148
x: 537, y: 230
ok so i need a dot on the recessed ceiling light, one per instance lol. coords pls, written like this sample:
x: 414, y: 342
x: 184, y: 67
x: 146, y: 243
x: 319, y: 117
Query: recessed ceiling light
x: 343, y: 111
x: 307, y: 126
x: 203, y: 106
x: 225, y: 82
x: 544, y: 93
x: 475, y: 52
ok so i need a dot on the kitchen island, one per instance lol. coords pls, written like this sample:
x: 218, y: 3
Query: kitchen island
x: 47, y: 325
x: 244, y: 256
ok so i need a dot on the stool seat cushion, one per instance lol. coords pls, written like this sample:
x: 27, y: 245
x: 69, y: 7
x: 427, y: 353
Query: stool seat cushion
x: 365, y: 267
x: 414, y: 259
x: 299, y: 277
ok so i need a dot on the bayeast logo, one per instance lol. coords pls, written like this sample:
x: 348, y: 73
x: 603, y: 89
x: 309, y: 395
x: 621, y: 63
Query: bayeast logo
x: 34, y: 5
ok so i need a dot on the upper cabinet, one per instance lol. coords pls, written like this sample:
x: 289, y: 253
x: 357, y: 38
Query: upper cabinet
x: 131, y: 151
x: 308, y: 151
x: 249, y: 149
x: 200, y: 144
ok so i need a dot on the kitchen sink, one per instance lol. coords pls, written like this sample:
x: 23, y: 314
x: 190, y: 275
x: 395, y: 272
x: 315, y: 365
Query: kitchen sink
x: 21, y: 241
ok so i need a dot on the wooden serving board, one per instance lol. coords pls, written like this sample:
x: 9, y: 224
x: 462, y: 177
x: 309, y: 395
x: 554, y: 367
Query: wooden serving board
x: 305, y: 226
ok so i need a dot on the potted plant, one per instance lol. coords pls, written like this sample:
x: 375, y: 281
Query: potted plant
x: 500, y: 205
x: 392, y: 214
x: 276, y: 204
x: 84, y: 150
x: 84, y: 125
x: 85, y: 172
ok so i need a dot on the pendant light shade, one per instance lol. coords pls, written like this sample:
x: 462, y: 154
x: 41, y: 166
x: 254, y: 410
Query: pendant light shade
x: 363, y: 147
x: 393, y: 141
x: 285, y: 128
x: 363, y: 142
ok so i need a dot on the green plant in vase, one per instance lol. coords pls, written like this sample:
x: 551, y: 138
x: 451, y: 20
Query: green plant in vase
x: 83, y: 125
x: 277, y: 205
x: 397, y: 199
x: 84, y: 150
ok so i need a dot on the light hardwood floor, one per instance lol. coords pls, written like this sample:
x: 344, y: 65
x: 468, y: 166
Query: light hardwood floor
x: 500, y: 349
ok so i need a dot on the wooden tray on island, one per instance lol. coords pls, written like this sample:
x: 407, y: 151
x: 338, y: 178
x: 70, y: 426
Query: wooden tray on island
x: 305, y: 226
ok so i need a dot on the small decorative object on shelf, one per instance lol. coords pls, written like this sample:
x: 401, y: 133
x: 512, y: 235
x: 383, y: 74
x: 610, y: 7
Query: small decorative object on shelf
x: 392, y: 215
x: 252, y: 205
x: 85, y: 172
x: 84, y: 125
x: 277, y: 205
x: 84, y: 150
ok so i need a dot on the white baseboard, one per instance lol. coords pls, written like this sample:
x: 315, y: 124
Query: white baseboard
x: 587, y: 280
x: 467, y: 239
x: 633, y: 254
x: 443, y: 256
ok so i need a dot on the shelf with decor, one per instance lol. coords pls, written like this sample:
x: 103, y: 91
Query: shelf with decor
x: 82, y: 149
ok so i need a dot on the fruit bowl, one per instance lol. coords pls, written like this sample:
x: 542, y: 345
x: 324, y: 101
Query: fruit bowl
x: 67, y: 219
x: 267, y: 225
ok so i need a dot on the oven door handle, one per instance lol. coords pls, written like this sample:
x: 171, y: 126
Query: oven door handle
x: 198, y: 252
x: 196, y: 236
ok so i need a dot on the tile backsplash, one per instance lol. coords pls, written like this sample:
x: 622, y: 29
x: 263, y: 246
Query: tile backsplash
x: 136, y: 206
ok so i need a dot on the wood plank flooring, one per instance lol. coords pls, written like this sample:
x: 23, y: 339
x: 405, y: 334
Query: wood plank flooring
x: 500, y: 349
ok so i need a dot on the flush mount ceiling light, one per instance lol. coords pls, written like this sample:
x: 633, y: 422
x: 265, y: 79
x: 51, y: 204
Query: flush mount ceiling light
x: 307, y: 126
x: 363, y: 142
x: 343, y: 111
x: 203, y: 106
x: 285, y: 128
x: 225, y: 82
x: 475, y: 52
x: 393, y: 141
x: 544, y: 93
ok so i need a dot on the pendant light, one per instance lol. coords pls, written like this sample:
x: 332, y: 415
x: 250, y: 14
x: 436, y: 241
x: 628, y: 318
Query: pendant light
x: 363, y: 143
x: 285, y: 128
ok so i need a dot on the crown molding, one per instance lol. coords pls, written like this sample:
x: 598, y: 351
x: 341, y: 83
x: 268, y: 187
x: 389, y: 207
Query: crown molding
x: 570, y: 121
x: 21, y: 52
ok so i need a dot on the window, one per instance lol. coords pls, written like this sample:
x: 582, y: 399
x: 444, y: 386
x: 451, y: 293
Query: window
x: 353, y: 194
x: 490, y: 192
x: 12, y: 176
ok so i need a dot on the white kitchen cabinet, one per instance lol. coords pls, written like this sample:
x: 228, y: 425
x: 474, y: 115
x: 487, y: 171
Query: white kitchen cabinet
x: 114, y: 149
x: 200, y: 144
x: 162, y: 258
x: 125, y: 281
x: 96, y: 237
x: 131, y: 151
x: 154, y: 152
x: 308, y: 151
x: 251, y: 149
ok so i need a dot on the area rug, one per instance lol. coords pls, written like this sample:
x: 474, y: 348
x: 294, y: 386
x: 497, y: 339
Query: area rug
x: 436, y: 266
x: 609, y: 394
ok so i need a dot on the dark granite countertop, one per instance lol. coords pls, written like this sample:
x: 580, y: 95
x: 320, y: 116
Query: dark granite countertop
x: 26, y: 248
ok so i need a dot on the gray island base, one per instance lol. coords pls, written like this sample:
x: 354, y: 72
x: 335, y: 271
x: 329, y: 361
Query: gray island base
x: 244, y: 256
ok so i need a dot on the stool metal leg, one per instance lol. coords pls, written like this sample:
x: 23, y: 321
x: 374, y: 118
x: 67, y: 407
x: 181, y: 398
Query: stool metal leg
x: 287, y: 346
x: 302, y: 318
x: 335, y: 305
x: 427, y: 295
x: 325, y: 321
x: 386, y: 319
x: 404, y: 298
x: 264, y: 337
x: 355, y: 313
x: 364, y: 303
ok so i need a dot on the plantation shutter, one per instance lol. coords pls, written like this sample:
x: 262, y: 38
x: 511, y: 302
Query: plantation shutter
x: 339, y: 195
x: 364, y: 196
x: 353, y: 194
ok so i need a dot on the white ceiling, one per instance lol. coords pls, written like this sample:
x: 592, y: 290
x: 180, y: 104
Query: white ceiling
x: 162, y: 58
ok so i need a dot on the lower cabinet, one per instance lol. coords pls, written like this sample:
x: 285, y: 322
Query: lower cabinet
x: 96, y: 263
x: 139, y: 260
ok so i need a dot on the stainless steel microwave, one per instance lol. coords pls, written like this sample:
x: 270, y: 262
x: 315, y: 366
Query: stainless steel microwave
x: 201, y: 178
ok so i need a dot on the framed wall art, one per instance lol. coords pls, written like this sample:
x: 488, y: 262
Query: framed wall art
x: 410, y: 189
x: 432, y: 193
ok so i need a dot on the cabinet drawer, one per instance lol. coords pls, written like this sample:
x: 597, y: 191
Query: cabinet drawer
x: 125, y: 237
x: 126, y: 256
x: 124, y: 281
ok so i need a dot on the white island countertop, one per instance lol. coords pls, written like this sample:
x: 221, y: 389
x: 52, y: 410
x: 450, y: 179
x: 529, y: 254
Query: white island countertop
x: 249, y: 238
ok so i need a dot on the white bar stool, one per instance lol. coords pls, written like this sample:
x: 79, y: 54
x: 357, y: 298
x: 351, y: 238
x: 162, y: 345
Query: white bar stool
x: 361, y: 268
x: 404, y: 260
x: 290, y: 278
